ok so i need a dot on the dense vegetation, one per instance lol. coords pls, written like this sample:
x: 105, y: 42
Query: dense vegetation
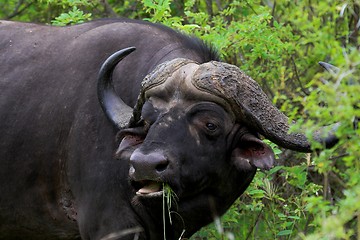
x: 278, y: 43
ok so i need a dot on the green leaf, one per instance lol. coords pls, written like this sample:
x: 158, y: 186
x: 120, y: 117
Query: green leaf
x: 284, y: 233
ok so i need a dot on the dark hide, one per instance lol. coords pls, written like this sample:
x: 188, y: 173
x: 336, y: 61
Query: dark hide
x: 58, y: 175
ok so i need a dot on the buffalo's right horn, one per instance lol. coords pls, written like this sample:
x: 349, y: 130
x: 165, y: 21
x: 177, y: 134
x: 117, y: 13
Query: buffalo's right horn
x: 113, y: 106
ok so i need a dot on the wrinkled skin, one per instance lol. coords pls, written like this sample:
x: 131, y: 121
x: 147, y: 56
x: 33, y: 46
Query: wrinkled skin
x: 59, y: 177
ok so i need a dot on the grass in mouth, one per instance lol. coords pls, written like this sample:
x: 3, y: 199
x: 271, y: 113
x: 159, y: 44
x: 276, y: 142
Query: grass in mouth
x: 169, y: 198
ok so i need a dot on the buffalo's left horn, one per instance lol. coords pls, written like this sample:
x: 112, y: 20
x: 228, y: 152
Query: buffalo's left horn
x: 330, y: 68
x: 252, y: 107
x: 113, y: 106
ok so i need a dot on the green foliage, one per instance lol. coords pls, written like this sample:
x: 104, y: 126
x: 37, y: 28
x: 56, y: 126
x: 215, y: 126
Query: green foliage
x: 278, y: 43
x: 65, y: 12
x: 72, y: 17
x: 336, y: 213
x: 158, y: 9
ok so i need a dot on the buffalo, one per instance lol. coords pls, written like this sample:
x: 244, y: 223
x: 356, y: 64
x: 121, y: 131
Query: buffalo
x: 93, y: 131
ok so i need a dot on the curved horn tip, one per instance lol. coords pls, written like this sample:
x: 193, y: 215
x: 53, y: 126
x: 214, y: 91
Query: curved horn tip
x: 330, y: 68
x: 113, y: 106
x: 124, y: 51
x: 118, y: 56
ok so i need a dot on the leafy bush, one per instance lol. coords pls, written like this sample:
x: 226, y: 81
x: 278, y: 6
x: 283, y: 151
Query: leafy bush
x: 72, y: 17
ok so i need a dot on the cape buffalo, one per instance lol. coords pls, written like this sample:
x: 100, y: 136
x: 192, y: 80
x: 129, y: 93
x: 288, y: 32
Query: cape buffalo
x: 86, y: 149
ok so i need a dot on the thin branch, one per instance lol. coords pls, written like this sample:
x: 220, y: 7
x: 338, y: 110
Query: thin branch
x: 209, y: 8
x: 298, y: 78
x: 273, y: 14
x: 16, y: 11
x: 252, y: 9
x: 218, y: 4
x: 109, y: 11
x: 18, y: 5
x: 253, y: 226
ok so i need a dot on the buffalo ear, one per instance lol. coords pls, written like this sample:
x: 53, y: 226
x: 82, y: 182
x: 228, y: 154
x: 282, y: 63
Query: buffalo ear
x: 251, y: 152
x: 128, y: 141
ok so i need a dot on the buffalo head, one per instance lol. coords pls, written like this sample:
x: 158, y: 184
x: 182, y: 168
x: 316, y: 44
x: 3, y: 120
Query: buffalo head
x: 196, y: 128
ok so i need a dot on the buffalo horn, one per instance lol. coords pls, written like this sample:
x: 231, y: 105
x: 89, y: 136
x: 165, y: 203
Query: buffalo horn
x: 252, y: 107
x: 113, y: 106
x: 330, y: 68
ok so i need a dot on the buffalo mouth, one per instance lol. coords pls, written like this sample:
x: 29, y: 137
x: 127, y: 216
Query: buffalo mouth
x: 148, y: 188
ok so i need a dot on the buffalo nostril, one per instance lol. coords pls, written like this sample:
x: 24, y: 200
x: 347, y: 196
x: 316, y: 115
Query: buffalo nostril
x: 162, y: 166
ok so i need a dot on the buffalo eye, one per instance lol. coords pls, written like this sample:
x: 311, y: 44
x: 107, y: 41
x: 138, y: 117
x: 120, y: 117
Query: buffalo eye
x: 211, y: 126
x: 149, y: 113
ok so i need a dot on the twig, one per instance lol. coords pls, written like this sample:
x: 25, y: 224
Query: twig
x: 108, y: 9
x: 298, y: 78
x: 17, y: 11
x: 273, y: 14
x: 252, y: 9
x: 209, y: 8
x: 253, y: 226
